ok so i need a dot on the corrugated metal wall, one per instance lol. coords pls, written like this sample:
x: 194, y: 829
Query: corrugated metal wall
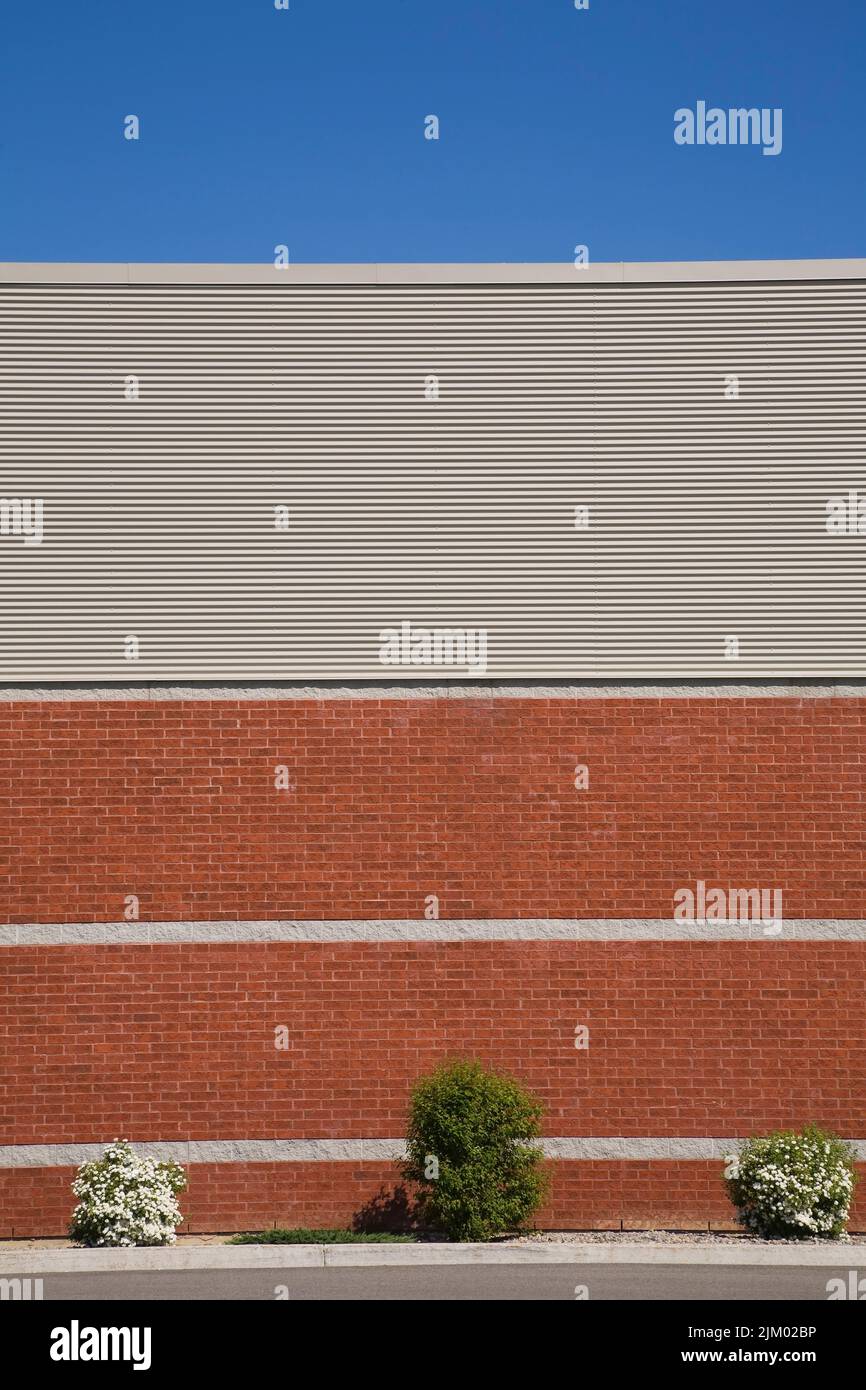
x: 707, y: 515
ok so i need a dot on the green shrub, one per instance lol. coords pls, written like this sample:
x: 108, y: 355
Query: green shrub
x: 470, y: 1151
x: 301, y: 1236
x: 794, y: 1185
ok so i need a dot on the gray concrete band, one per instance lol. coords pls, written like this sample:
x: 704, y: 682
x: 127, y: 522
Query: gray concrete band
x: 444, y: 690
x: 363, y: 1150
x: 385, y: 930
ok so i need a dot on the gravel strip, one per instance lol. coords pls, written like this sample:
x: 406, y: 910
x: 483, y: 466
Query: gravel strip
x: 664, y: 1238
x: 536, y: 1237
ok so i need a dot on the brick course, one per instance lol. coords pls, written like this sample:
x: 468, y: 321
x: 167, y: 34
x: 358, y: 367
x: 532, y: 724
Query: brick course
x: 177, y: 1042
x: 584, y: 1196
x: 471, y: 799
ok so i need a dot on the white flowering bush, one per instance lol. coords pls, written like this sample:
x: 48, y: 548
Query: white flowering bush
x: 125, y: 1199
x: 793, y: 1185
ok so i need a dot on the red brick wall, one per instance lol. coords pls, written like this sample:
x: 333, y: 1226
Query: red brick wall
x: 473, y: 800
x: 253, y: 1196
x: 177, y: 1042
x: 470, y: 799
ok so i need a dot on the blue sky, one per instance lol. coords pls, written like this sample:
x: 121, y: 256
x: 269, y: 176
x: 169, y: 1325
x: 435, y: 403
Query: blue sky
x: 306, y: 127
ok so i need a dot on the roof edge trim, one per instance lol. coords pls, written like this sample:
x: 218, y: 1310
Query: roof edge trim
x: 418, y: 273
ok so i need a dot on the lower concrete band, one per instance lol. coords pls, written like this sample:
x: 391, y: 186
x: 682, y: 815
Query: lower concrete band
x: 492, y: 929
x: 357, y: 1150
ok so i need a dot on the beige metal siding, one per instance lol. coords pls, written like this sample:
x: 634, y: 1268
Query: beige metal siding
x: 707, y: 515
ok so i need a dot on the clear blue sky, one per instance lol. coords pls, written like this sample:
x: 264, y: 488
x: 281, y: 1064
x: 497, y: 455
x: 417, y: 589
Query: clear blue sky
x: 305, y: 127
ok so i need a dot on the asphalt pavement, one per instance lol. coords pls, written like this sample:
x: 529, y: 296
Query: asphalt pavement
x: 465, y: 1283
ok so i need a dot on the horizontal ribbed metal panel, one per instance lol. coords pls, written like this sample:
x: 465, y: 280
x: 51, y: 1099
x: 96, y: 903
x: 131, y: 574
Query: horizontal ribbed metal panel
x: 707, y: 516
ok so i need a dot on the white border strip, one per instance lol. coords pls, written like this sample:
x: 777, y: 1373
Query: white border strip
x: 490, y: 929
x: 532, y: 690
x: 421, y: 273
x: 359, y: 1151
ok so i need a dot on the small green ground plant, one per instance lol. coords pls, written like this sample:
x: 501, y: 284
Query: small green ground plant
x: 302, y: 1236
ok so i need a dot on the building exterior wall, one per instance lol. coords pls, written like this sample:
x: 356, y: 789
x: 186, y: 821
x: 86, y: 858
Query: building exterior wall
x: 555, y: 910
x: 614, y: 473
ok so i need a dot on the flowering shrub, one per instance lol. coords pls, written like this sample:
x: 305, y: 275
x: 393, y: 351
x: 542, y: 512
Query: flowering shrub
x: 793, y: 1185
x: 125, y: 1199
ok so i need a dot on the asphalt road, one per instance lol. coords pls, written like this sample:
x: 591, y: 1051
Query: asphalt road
x: 455, y: 1283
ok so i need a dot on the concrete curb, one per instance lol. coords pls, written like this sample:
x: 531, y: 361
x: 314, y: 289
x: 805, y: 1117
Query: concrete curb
x: 47, y: 1262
